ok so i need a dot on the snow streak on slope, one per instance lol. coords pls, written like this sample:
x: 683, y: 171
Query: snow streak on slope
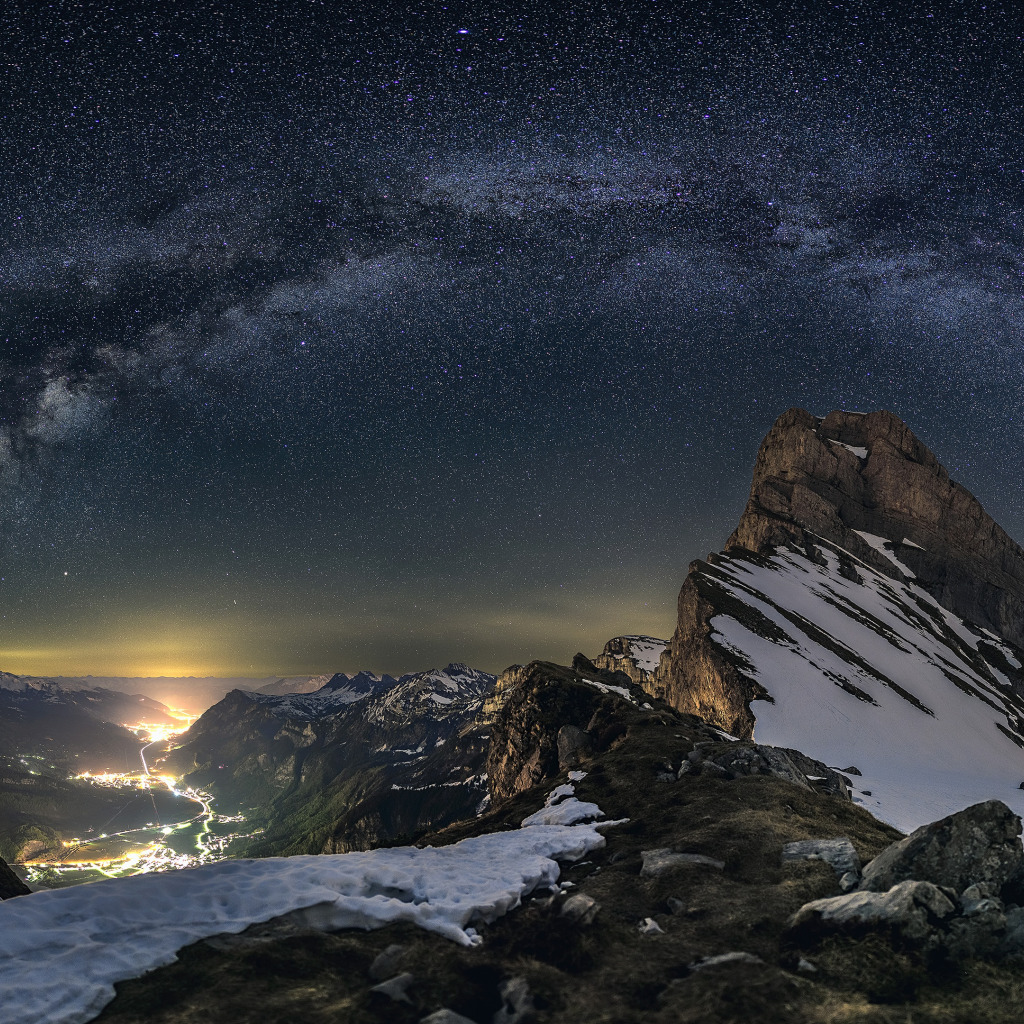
x: 64, y: 949
x: 869, y: 672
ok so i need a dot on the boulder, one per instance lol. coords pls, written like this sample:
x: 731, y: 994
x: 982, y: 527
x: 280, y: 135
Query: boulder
x: 396, y: 989
x: 574, y: 745
x: 911, y: 911
x: 838, y: 853
x: 980, y: 844
x: 657, y: 862
x: 580, y: 908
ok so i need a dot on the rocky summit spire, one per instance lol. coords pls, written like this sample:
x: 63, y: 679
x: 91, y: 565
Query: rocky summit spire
x: 866, y: 610
x: 853, y: 478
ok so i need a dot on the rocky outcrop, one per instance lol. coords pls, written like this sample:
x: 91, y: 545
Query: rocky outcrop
x: 637, y: 656
x: 697, y: 676
x: 944, y: 889
x: 978, y: 845
x: 866, y: 486
x: 549, y: 718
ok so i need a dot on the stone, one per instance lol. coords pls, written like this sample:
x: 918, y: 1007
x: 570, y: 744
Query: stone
x: 516, y: 999
x: 648, y: 926
x: 978, y: 844
x: 1013, y: 937
x: 838, y: 853
x: 446, y: 1016
x: 395, y: 988
x: 580, y: 908
x: 849, y: 881
x: 386, y: 963
x: 657, y: 862
x: 573, y: 746
x: 911, y: 911
x: 722, y: 959
x: 675, y: 905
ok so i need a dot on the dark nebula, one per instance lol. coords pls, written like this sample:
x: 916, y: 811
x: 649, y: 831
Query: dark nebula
x: 337, y: 337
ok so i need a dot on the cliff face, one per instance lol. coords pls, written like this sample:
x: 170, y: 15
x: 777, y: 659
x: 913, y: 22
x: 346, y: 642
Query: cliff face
x: 849, y: 472
x: 869, y: 609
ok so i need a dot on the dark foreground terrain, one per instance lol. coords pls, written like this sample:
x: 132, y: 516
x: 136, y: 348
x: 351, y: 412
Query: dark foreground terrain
x: 636, y: 953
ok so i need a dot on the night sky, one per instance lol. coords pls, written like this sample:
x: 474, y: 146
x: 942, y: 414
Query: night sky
x: 336, y: 337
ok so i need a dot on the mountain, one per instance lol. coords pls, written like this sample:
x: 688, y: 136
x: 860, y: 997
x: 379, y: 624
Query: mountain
x: 637, y: 656
x: 295, y: 684
x: 868, y: 611
x: 73, y: 727
x: 355, y: 764
x: 193, y: 694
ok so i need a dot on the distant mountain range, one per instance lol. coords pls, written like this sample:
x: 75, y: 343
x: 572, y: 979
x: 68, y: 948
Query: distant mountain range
x: 355, y: 764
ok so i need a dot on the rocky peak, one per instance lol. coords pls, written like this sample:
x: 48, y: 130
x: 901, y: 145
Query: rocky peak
x: 635, y: 655
x: 866, y: 610
x: 868, y: 485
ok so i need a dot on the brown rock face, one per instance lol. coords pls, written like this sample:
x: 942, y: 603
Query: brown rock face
x: 829, y: 478
x: 549, y: 720
x: 808, y: 481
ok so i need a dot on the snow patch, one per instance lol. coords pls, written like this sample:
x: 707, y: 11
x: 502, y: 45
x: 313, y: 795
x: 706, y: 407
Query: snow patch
x: 64, y: 949
x: 621, y: 691
x: 883, y: 547
x: 861, y: 453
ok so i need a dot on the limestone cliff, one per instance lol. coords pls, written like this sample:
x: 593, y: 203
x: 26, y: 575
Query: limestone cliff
x: 863, y: 490
x: 851, y: 472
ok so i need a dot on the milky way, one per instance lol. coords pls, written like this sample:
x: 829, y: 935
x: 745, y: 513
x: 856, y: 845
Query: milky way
x: 332, y: 339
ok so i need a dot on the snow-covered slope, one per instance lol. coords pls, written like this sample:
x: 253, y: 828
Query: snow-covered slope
x: 868, y: 672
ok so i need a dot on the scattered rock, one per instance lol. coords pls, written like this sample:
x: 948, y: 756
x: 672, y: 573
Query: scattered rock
x: 666, y: 776
x: 396, y: 988
x: 1013, y: 937
x: 657, y: 862
x: 574, y: 745
x: 849, y: 881
x: 446, y: 1016
x: 648, y: 926
x: 978, y: 844
x: 852, y: 771
x: 839, y: 853
x: 517, y: 1002
x: 675, y: 905
x: 911, y: 911
x: 386, y: 963
x: 805, y: 966
x: 723, y: 959
x: 580, y: 908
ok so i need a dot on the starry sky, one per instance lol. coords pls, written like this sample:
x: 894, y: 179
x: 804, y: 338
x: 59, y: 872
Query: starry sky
x: 335, y: 336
